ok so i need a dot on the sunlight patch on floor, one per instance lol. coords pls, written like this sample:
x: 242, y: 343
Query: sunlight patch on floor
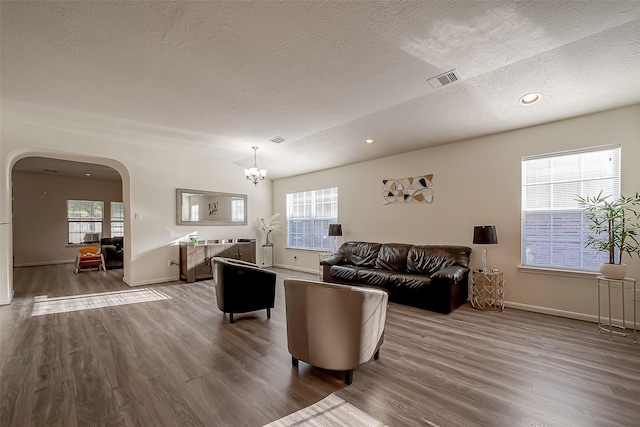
x: 43, y: 305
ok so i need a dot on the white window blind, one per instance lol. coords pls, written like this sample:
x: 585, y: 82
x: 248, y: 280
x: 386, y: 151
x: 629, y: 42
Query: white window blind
x: 553, y: 225
x: 309, y: 214
x: 117, y: 219
x: 85, y: 220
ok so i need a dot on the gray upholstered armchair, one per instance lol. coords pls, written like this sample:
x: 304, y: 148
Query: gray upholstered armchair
x: 334, y: 327
x: 242, y: 286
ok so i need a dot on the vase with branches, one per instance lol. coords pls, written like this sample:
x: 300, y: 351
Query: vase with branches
x: 268, y: 227
x: 614, y: 226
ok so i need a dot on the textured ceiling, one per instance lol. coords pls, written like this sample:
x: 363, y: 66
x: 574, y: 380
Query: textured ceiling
x: 323, y: 75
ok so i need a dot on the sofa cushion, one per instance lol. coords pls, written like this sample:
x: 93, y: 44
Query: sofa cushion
x: 362, y: 254
x: 428, y: 259
x: 408, y: 281
x: 393, y: 256
x: 343, y: 272
x: 374, y: 277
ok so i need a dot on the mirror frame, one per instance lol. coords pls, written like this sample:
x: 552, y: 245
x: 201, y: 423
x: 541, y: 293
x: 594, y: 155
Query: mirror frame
x: 180, y: 192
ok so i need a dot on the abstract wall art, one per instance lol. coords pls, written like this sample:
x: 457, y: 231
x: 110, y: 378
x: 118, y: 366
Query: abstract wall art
x: 404, y: 190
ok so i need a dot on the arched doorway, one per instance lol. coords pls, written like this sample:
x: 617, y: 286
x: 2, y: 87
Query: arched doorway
x: 42, y: 188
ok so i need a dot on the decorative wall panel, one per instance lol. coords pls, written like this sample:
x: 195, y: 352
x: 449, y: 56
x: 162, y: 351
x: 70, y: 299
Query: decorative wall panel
x: 403, y: 190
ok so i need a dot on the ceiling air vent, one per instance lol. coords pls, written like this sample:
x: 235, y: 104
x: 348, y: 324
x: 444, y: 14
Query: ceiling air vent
x: 445, y: 79
x: 277, y: 139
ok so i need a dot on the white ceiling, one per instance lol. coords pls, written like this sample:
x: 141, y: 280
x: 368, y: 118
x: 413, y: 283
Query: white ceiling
x: 323, y: 75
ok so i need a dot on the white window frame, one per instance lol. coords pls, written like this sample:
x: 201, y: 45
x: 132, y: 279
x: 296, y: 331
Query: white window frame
x: 117, y: 222
x: 83, y: 225
x: 309, y: 214
x: 534, y: 249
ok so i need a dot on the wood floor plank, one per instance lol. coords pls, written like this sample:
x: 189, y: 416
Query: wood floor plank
x: 55, y: 406
x: 180, y: 362
x: 94, y: 399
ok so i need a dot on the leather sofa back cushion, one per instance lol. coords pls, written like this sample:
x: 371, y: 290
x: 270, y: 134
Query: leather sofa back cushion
x: 362, y: 254
x: 393, y: 256
x: 429, y: 259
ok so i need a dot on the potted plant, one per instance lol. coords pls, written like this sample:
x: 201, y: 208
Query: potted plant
x: 269, y: 227
x: 614, y: 226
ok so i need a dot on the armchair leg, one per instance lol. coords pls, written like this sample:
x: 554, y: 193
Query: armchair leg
x: 294, y: 361
x: 230, y: 317
x: 348, y: 376
x: 376, y: 355
x: 268, y: 313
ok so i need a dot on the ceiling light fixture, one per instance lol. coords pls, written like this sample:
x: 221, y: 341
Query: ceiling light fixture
x: 369, y: 141
x: 254, y: 174
x: 87, y: 174
x: 530, y: 98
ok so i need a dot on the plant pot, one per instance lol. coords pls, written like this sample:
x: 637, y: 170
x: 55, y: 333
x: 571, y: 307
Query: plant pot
x: 613, y: 271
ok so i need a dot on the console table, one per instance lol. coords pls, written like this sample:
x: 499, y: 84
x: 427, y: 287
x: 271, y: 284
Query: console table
x: 195, y: 258
x: 487, y: 290
x: 624, y: 284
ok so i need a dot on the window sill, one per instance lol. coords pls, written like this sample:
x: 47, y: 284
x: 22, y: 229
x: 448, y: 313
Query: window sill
x: 81, y: 245
x: 291, y: 248
x: 559, y: 272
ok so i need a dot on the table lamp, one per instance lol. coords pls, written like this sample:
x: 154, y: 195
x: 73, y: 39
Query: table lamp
x: 335, y: 230
x: 485, y: 235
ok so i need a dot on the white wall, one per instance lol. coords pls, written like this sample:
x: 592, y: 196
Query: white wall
x: 476, y: 182
x: 151, y: 166
x: 40, y: 224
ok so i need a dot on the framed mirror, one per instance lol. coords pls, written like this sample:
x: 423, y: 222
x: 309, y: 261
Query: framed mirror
x: 195, y: 207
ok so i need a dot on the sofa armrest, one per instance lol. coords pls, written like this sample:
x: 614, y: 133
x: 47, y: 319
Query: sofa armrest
x: 238, y: 264
x: 454, y: 273
x: 334, y: 259
x: 108, y: 250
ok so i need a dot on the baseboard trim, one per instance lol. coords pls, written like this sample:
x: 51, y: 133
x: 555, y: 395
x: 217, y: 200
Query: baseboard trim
x: 152, y: 281
x: 552, y: 311
x: 5, y: 301
x: 41, y: 263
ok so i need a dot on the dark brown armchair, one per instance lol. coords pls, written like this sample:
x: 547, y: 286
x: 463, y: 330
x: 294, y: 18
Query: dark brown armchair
x: 242, y: 286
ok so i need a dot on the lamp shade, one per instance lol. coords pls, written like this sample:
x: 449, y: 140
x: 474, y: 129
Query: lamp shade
x: 485, y: 235
x: 335, y: 229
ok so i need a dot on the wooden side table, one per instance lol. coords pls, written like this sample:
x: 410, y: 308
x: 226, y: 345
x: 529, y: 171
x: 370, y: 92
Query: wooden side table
x: 487, y: 290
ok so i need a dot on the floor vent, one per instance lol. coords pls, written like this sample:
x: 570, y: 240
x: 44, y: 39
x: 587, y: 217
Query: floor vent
x: 445, y: 79
x: 277, y: 139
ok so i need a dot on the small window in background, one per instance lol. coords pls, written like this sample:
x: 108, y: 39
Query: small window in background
x: 117, y: 219
x: 85, y: 220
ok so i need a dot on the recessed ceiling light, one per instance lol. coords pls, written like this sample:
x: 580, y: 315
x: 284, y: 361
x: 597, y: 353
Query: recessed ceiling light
x: 87, y: 174
x: 530, y: 98
x: 369, y: 141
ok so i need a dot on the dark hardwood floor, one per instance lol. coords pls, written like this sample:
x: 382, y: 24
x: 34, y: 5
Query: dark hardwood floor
x: 178, y: 362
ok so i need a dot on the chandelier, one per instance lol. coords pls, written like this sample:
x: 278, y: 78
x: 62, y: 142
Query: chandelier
x: 254, y: 174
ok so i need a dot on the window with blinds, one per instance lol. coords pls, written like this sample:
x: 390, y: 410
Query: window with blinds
x: 309, y: 214
x: 84, y: 218
x: 117, y: 219
x: 553, y: 225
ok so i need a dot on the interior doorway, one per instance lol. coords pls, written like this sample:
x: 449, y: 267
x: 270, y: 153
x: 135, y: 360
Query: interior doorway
x: 60, y: 206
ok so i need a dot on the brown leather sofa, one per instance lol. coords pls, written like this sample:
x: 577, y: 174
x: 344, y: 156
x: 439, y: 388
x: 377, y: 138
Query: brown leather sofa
x: 426, y: 276
x: 242, y: 286
x: 334, y: 327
